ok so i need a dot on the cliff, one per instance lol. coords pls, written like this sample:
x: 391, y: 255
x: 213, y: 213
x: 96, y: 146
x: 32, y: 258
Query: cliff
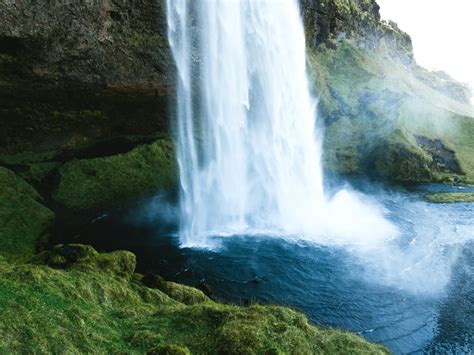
x: 383, y: 115
x: 72, y: 73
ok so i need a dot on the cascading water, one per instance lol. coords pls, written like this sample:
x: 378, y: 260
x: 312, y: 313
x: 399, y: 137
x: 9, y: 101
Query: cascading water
x: 248, y: 153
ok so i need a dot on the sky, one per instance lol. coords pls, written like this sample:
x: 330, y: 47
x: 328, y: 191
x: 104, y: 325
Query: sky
x: 442, y: 32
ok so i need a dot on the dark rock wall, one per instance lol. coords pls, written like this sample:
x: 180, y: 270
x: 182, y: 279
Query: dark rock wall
x: 75, y: 71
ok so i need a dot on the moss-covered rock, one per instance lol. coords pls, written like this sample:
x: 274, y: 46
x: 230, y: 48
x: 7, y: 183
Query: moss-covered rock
x: 95, y: 309
x: 451, y: 197
x: 24, y: 220
x: 390, y: 119
x: 169, y: 349
x: 35, y: 173
x: 87, y: 259
x: 108, y: 181
x: 184, y: 294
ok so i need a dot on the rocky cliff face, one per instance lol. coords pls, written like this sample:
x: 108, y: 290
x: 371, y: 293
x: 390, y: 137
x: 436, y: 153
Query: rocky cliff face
x: 331, y: 21
x: 74, y: 72
x: 383, y: 114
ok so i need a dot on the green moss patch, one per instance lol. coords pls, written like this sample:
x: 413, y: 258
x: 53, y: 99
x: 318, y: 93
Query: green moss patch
x: 183, y: 294
x: 86, y: 302
x: 23, y: 219
x: 451, y: 197
x: 108, y: 181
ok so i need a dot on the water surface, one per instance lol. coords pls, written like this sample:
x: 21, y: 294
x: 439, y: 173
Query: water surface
x: 414, y: 294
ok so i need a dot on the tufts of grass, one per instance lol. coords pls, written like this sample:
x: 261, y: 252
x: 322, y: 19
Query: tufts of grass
x: 86, y: 302
x: 108, y: 181
x: 451, y: 197
x: 23, y: 218
x: 183, y: 294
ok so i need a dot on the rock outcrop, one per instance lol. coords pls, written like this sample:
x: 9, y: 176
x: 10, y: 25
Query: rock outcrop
x: 72, y: 73
x: 378, y: 107
x: 331, y: 21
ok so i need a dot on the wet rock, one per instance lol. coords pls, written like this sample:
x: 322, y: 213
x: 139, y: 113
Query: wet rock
x: 69, y: 252
x: 152, y: 280
x: 205, y: 288
x: 444, y: 158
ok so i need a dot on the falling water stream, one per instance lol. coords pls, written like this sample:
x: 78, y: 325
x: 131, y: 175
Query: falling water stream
x: 247, y: 144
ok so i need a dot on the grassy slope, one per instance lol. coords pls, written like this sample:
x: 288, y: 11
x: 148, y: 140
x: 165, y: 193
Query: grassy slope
x: 107, y: 181
x: 374, y: 105
x: 96, y: 305
x: 23, y: 219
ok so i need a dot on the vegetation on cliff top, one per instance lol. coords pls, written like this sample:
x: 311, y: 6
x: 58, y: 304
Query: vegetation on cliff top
x: 86, y: 302
x: 387, y: 118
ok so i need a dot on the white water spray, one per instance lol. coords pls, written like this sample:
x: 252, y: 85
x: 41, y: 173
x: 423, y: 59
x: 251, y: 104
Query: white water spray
x: 247, y: 148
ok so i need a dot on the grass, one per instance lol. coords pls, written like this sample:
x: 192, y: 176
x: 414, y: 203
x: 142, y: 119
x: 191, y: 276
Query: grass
x: 373, y: 105
x: 108, y: 181
x: 23, y: 218
x: 451, y: 197
x: 93, y: 303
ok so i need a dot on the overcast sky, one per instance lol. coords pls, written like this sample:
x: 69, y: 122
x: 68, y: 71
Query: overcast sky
x: 442, y: 32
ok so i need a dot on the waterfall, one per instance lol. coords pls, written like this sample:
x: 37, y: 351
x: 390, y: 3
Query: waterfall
x: 247, y: 147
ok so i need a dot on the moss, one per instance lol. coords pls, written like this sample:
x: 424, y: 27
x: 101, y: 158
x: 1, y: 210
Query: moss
x: 145, y: 338
x: 149, y: 40
x: 37, y: 172
x: 104, y: 182
x: 451, y: 197
x: 400, y: 159
x: 86, y: 259
x: 184, y: 294
x: 23, y: 218
x: 170, y: 349
x: 374, y: 106
x: 94, y: 309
